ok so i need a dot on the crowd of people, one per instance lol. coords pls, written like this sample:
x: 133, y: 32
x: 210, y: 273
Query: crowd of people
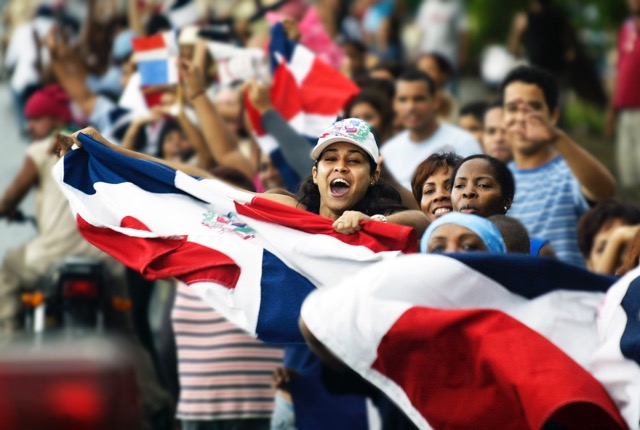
x: 497, y: 176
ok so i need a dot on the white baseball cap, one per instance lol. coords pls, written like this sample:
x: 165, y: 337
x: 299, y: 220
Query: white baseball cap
x: 350, y: 130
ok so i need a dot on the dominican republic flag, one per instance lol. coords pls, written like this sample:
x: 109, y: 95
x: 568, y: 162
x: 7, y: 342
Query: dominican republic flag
x: 250, y: 258
x: 156, y: 57
x: 306, y: 91
x: 465, y: 343
x: 478, y: 341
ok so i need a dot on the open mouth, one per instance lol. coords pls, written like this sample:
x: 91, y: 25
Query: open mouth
x: 339, y: 187
x: 442, y: 210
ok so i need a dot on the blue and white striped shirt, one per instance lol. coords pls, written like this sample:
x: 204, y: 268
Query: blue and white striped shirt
x: 549, y: 203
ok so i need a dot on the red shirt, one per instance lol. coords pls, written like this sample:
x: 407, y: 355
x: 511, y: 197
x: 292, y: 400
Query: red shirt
x: 627, y: 91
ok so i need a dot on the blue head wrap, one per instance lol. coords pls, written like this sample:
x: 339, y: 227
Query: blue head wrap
x: 484, y: 228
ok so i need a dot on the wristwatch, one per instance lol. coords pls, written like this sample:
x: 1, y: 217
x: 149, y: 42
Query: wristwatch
x: 379, y: 217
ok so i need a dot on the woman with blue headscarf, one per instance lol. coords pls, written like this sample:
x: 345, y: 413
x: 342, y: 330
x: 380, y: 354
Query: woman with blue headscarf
x: 459, y: 232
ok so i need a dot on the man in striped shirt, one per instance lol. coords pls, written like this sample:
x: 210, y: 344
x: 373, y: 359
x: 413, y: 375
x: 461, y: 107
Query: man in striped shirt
x: 556, y: 179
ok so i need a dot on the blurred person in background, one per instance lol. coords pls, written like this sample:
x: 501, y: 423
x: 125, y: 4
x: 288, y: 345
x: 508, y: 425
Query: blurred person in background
x: 440, y: 69
x: 623, y: 117
x: 24, y: 59
x: 444, y: 28
x: 471, y: 118
x: 48, y: 111
x: 546, y: 35
x: 416, y: 107
x: 556, y: 179
x: 494, y: 139
x: 373, y: 107
x: 604, y: 233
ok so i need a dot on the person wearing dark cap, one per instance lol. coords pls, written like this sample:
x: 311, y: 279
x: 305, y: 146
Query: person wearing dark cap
x: 46, y: 110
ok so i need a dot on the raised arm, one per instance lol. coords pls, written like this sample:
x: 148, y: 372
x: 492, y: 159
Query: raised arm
x: 518, y: 27
x: 70, y: 72
x: 221, y: 141
x: 295, y: 148
x: 596, y: 181
x: 26, y: 178
x: 65, y: 143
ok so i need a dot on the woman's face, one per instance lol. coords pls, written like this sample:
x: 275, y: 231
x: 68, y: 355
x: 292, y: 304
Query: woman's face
x: 436, y: 194
x: 476, y: 191
x: 343, y: 177
x: 454, y: 238
x: 366, y: 112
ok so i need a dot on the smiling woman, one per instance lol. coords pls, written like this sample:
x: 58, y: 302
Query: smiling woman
x: 345, y: 180
x: 343, y: 186
x: 431, y: 184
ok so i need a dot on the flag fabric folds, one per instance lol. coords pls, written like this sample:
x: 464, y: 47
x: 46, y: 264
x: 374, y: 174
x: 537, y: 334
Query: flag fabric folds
x: 467, y: 341
x: 455, y: 348
x: 306, y: 91
x: 252, y: 259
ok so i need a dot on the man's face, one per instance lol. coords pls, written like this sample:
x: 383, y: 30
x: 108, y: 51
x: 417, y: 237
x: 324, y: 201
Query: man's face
x: 520, y: 100
x: 40, y: 127
x: 494, y: 139
x: 415, y: 107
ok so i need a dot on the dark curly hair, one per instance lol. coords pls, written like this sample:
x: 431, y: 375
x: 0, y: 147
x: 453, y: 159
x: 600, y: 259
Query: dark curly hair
x: 601, y: 214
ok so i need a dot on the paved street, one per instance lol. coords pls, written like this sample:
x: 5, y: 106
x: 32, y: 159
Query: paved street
x: 12, y: 147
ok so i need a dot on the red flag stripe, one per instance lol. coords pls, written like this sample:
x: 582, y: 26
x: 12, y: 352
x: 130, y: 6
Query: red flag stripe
x: 325, y: 91
x: 377, y: 236
x: 148, y: 43
x: 458, y: 375
x: 159, y: 258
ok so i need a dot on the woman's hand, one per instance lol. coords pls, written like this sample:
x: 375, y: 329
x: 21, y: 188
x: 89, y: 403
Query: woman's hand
x: 191, y: 77
x: 62, y: 144
x: 349, y: 222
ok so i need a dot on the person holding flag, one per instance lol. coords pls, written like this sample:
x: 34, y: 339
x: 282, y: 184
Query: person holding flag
x: 344, y: 186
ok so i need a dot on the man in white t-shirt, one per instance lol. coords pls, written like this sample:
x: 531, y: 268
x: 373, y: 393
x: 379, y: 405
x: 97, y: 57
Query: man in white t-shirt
x: 416, y: 107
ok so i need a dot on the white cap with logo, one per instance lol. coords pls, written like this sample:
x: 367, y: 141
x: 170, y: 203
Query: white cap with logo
x: 350, y: 130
